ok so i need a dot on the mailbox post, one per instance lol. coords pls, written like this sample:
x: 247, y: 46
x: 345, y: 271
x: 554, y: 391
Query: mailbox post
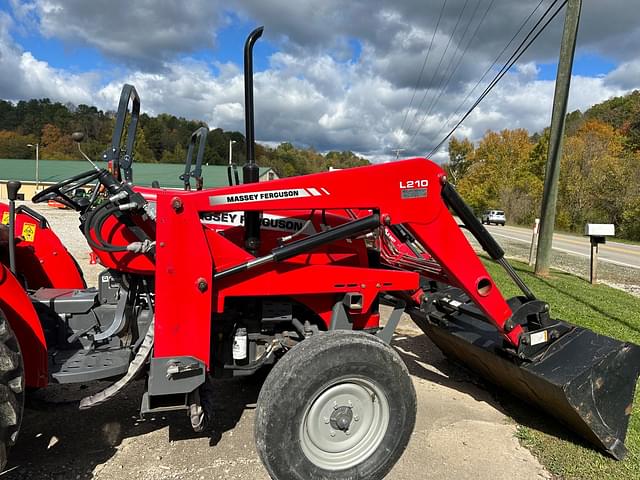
x: 534, y: 240
x: 597, y: 233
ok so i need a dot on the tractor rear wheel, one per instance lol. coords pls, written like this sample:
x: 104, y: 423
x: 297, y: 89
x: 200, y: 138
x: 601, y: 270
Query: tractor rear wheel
x: 11, y: 388
x: 338, y: 405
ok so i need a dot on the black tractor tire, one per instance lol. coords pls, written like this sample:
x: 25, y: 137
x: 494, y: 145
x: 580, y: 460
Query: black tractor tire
x: 11, y: 389
x: 339, y: 405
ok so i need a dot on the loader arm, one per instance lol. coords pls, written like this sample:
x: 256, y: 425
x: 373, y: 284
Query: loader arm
x: 403, y: 193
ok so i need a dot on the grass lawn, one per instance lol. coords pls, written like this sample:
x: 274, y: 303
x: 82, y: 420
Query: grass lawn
x: 604, y: 310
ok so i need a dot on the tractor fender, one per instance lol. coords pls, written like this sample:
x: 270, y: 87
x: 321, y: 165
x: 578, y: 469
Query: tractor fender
x: 41, y: 258
x: 24, y: 321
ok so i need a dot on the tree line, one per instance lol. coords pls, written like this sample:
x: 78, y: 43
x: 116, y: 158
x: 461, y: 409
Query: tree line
x: 159, y: 139
x: 599, y: 176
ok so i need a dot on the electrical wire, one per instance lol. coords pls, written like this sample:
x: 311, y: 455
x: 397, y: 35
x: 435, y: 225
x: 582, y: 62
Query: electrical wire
x: 486, y: 72
x: 447, y: 79
x: 437, y: 69
x: 424, y: 64
x: 515, y: 56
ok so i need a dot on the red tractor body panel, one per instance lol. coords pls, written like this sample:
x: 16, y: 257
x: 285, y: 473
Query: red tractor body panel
x: 188, y: 252
x: 41, y: 258
x: 24, y: 321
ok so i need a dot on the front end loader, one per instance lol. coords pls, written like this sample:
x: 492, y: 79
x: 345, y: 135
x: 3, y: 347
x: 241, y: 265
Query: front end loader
x: 289, y: 275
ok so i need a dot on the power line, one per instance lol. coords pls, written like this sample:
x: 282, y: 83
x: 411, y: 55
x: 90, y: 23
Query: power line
x: 515, y: 35
x: 444, y: 82
x: 424, y: 64
x: 441, y: 58
x: 435, y: 100
x: 504, y: 69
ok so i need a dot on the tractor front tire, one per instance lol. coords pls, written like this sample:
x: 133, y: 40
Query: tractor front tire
x: 11, y: 389
x: 339, y: 405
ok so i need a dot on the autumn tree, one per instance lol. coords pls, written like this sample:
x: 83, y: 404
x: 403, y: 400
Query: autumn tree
x: 460, y: 158
x: 591, y: 165
x: 499, y: 175
x: 55, y: 145
x: 14, y: 145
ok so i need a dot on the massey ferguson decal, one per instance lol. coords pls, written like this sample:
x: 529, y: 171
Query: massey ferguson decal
x: 266, y: 195
x: 224, y: 220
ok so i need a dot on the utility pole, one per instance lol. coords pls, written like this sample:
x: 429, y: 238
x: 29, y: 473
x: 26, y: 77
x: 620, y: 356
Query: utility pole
x: 561, y: 95
x: 231, y: 142
x: 397, y: 151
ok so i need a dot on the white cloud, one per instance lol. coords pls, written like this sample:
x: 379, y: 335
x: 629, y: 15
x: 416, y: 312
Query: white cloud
x: 27, y: 77
x: 142, y: 33
x: 626, y: 76
x: 316, y: 91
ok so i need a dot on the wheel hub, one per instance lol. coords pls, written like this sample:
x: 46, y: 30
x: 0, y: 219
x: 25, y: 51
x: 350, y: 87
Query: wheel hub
x: 341, y: 418
x: 344, y: 424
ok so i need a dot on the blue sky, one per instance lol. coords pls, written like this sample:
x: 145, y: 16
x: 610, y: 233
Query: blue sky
x: 584, y: 64
x: 329, y: 75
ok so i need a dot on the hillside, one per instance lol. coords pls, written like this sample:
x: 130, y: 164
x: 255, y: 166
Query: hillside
x: 162, y: 139
x: 599, y: 177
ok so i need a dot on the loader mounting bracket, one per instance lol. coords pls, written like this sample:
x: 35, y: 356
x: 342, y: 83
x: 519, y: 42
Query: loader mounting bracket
x: 386, y: 334
x: 533, y: 314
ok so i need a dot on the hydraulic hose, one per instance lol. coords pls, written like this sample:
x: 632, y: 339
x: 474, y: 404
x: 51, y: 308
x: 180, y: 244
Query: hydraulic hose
x: 95, y: 221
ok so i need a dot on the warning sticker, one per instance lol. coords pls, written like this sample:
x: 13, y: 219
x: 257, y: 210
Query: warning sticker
x: 29, y: 232
x: 5, y: 218
x: 413, y: 193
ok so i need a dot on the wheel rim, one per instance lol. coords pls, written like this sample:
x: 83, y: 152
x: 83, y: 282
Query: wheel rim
x: 344, y: 423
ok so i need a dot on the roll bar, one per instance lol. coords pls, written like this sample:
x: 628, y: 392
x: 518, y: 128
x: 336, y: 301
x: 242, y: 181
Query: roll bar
x: 199, y: 136
x: 123, y: 160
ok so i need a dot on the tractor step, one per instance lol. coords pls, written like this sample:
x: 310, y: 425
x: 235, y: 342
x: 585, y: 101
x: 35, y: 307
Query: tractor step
x: 163, y: 403
x: 75, y: 366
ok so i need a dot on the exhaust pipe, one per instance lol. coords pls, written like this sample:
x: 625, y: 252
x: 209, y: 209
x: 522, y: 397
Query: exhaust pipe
x: 250, y: 171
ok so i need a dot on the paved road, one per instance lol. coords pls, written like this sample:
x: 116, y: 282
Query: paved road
x: 612, y: 252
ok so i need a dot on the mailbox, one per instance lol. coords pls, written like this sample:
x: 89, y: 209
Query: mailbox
x: 599, y: 230
x: 597, y: 233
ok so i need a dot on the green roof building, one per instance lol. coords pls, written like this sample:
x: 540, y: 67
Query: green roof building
x: 53, y: 171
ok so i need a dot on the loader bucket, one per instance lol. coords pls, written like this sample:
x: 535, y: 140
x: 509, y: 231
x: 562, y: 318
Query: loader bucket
x: 585, y: 380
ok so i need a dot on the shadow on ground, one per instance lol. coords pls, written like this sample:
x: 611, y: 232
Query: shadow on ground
x: 57, y: 441
x: 419, y: 354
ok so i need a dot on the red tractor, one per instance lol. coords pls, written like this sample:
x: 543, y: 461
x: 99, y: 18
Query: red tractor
x: 287, y: 275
